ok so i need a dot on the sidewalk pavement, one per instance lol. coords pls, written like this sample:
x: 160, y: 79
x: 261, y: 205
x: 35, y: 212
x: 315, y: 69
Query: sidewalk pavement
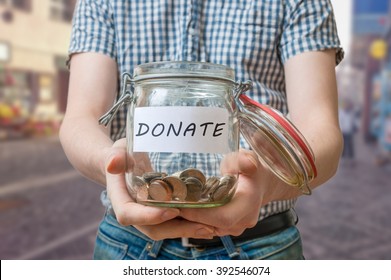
x: 348, y: 217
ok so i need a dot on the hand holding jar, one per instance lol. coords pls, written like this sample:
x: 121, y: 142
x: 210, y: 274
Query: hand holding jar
x: 161, y: 223
x: 156, y: 222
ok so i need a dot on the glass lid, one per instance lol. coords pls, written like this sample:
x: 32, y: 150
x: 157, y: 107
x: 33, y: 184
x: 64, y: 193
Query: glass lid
x: 278, y: 143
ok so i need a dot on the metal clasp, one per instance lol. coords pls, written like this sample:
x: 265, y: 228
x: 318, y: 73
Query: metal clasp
x: 242, y: 87
x: 305, y: 188
x: 125, y: 98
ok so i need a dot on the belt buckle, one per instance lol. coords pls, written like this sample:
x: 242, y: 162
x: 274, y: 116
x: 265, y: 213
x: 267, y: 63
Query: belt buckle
x: 186, y: 243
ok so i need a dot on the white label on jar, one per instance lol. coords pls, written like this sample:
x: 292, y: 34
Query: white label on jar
x: 181, y: 129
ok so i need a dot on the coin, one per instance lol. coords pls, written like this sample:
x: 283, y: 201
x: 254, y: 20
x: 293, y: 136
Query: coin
x: 149, y: 176
x: 160, y: 190
x: 210, y: 186
x: 179, y: 189
x: 187, y: 185
x: 195, y: 173
x: 220, y: 193
x: 223, y: 191
x: 228, y: 180
x: 142, y: 193
x: 138, y: 186
x: 194, y: 189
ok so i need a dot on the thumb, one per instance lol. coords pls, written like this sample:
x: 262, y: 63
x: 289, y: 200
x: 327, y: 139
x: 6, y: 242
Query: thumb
x: 116, y: 161
x: 248, y: 163
x: 244, y: 162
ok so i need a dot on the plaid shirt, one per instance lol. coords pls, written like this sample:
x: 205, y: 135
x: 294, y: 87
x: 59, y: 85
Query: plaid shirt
x: 255, y: 38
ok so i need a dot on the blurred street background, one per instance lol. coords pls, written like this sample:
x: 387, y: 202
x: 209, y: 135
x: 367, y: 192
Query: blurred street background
x: 49, y: 211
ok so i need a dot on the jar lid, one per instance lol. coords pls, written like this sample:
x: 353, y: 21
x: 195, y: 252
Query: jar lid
x: 181, y: 69
x: 278, y: 143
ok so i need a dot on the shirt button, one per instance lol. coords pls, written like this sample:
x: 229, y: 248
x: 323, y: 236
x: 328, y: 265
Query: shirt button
x: 193, y: 32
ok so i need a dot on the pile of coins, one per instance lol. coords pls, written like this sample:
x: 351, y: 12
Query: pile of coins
x: 189, y: 185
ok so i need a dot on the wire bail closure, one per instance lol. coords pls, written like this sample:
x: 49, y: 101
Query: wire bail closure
x: 242, y: 87
x: 125, y: 98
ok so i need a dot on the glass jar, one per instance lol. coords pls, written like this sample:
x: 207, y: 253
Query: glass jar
x: 183, y: 127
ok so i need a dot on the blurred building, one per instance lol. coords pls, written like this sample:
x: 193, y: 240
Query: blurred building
x: 34, y: 37
x: 370, y: 56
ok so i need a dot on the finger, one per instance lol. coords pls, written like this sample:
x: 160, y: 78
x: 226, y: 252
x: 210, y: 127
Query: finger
x: 127, y: 211
x: 240, y: 213
x: 137, y: 214
x: 176, y: 228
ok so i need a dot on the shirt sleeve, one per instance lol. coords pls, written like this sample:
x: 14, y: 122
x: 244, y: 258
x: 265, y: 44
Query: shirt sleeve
x: 309, y: 26
x: 93, y: 29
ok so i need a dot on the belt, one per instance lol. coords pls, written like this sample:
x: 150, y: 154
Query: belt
x: 267, y: 226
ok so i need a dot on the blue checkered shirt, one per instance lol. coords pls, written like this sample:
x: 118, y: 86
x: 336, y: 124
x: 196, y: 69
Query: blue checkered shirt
x: 255, y: 38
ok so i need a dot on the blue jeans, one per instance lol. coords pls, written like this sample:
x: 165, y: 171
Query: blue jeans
x: 127, y: 243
